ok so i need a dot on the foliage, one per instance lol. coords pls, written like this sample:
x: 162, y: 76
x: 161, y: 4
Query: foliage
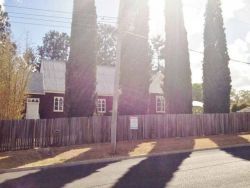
x: 238, y: 107
x: 14, y: 73
x: 135, y: 61
x: 216, y: 73
x: 107, y: 39
x: 240, y: 97
x: 55, y: 47
x: 81, y: 69
x: 177, y: 82
x: 239, y: 100
x: 158, y: 46
x: 30, y: 57
x: 197, y: 92
x: 4, y: 25
x: 197, y: 110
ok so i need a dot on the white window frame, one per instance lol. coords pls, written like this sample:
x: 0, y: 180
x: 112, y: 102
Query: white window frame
x: 101, y: 106
x: 58, y: 108
x: 33, y: 100
x: 162, y: 104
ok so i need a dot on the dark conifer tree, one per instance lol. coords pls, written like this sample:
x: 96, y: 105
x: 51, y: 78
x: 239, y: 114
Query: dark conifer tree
x: 135, y: 62
x: 177, y: 82
x: 81, y: 68
x: 216, y: 73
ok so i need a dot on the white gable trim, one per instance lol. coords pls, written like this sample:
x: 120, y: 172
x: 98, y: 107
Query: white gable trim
x: 55, y: 92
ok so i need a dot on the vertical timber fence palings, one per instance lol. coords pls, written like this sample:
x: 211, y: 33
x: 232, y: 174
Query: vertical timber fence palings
x: 28, y: 134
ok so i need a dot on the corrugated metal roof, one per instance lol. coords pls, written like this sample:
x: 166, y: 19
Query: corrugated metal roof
x: 53, y: 76
x: 51, y: 79
x: 35, y: 84
x: 156, y: 84
x: 105, y: 77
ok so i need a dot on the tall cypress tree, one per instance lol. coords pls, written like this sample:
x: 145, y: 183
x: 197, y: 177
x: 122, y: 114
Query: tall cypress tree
x: 177, y: 81
x: 81, y: 68
x: 135, y: 61
x: 216, y: 73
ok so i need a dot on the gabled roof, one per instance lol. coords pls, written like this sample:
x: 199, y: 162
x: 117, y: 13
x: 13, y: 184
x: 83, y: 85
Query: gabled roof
x: 51, y: 79
x: 35, y: 84
x: 105, y: 78
x: 156, y: 83
x: 53, y: 76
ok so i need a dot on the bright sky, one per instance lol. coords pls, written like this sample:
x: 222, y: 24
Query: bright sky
x: 235, y: 12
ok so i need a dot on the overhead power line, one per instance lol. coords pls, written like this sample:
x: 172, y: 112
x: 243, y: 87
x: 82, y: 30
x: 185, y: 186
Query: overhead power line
x: 38, y: 24
x: 234, y: 60
x: 39, y: 19
x: 58, y: 21
x: 191, y: 50
x: 39, y: 15
x: 49, y: 10
x: 65, y: 12
x: 38, y: 9
x: 10, y: 13
x: 51, y: 25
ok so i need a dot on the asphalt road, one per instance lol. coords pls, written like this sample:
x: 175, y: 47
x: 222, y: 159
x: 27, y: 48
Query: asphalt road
x: 213, y: 168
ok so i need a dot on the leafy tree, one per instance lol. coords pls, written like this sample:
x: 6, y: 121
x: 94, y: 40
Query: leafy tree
x: 107, y: 39
x: 81, y: 69
x: 238, y: 107
x: 158, y: 45
x: 239, y: 99
x: 136, y: 61
x: 234, y: 97
x: 244, y: 96
x: 216, y: 73
x: 55, y: 46
x: 4, y: 25
x: 31, y: 58
x: 14, y: 73
x: 177, y: 81
x: 197, y: 92
x: 197, y: 110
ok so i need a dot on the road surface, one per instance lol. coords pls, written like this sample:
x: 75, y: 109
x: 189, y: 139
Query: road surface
x: 213, y: 168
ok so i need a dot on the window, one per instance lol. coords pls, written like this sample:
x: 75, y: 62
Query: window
x: 58, y: 104
x: 101, y: 105
x: 33, y: 100
x: 160, y: 104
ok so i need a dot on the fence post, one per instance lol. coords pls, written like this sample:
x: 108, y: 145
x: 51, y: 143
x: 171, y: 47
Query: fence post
x: 34, y: 134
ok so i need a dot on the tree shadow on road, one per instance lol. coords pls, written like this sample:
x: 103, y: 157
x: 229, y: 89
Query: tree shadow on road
x: 53, y: 177
x: 236, y: 152
x: 154, y: 171
x: 58, y: 177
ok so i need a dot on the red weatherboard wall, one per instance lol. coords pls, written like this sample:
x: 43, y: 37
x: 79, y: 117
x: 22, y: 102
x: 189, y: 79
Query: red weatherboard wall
x: 152, y: 105
x: 47, y: 104
x: 109, y: 104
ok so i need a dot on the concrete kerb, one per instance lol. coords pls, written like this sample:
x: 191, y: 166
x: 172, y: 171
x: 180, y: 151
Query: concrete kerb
x: 114, y: 159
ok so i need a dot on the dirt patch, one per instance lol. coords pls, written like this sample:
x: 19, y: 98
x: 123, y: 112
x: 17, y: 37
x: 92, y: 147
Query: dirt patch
x: 50, y: 156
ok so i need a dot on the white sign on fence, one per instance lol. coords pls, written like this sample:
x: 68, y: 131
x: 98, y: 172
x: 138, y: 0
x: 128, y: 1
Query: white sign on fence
x: 134, y: 123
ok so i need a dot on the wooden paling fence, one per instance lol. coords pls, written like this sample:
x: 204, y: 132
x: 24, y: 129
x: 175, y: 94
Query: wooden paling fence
x: 27, y: 134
